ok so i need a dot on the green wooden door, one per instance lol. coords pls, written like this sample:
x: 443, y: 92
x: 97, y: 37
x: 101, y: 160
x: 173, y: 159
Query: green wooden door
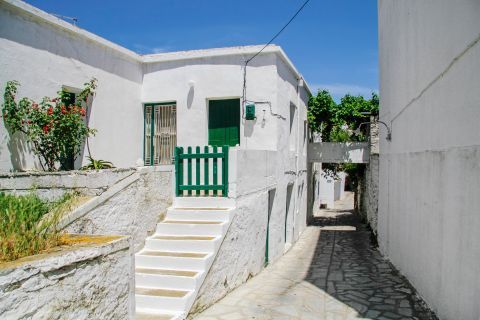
x: 224, y: 122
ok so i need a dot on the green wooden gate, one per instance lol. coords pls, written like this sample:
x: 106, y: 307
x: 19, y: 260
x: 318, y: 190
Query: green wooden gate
x: 197, y: 184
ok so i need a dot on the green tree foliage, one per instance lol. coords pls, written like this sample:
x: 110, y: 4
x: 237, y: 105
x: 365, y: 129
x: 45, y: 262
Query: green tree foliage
x: 339, y: 123
x: 55, y: 129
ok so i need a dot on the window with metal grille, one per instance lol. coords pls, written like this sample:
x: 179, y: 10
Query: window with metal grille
x: 160, y: 133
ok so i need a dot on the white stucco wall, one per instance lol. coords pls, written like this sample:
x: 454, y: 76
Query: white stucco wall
x: 84, y: 282
x: 134, y: 211
x: 327, y: 190
x: 46, y: 54
x: 430, y: 172
x: 253, y: 173
x: 214, y: 78
x: 340, y: 186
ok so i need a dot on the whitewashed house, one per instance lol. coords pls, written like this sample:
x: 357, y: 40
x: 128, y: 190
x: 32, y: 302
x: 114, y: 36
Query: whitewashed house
x: 238, y: 210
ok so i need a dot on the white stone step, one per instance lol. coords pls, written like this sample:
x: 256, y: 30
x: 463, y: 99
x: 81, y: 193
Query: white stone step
x: 199, y: 214
x: 187, y: 227
x: 163, y: 300
x: 150, y: 314
x: 165, y: 278
x: 175, y: 260
x: 203, y: 244
x: 203, y: 202
x: 172, y: 260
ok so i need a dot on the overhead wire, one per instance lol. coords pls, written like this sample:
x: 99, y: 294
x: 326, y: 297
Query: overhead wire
x: 244, y: 91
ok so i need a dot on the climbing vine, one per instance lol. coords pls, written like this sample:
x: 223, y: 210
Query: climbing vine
x: 55, y: 127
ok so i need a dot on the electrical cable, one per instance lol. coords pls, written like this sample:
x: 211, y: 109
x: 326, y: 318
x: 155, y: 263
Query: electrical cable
x: 244, y: 91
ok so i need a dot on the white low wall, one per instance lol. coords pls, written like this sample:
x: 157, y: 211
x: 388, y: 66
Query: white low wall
x: 52, y: 185
x: 134, y: 210
x: 87, y: 282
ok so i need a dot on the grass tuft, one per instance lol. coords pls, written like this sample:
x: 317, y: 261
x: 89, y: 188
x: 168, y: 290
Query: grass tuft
x: 28, y: 224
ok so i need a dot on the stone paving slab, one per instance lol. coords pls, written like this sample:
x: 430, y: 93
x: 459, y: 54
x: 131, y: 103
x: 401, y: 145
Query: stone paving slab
x: 330, y: 273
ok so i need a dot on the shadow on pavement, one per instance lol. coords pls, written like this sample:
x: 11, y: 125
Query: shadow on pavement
x: 347, y: 266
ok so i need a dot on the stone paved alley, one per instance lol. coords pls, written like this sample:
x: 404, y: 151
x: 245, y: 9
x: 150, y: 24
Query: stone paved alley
x: 333, y: 272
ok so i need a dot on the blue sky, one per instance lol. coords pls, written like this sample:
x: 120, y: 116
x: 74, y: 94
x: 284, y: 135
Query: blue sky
x: 333, y: 43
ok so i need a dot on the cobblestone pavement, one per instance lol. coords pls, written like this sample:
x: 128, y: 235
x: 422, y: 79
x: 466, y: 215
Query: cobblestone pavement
x: 332, y: 272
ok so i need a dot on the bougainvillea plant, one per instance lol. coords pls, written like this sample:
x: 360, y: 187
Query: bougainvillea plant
x: 55, y: 127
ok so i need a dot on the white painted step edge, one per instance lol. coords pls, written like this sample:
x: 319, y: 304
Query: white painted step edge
x: 174, y: 282
x: 162, y: 303
x: 190, y: 229
x: 176, y: 315
x: 203, y: 202
x: 195, y: 246
x: 178, y: 263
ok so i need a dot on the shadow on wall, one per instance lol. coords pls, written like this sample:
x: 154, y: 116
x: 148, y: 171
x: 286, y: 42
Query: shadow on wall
x: 17, y: 148
x: 347, y: 266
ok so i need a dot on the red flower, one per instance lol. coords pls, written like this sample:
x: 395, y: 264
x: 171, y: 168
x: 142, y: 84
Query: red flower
x: 83, y: 112
x: 45, y: 129
x: 50, y: 111
x: 54, y: 100
x: 64, y: 110
x: 29, y: 122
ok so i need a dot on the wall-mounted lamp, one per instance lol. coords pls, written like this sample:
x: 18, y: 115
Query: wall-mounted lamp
x: 191, y: 83
x: 389, y: 132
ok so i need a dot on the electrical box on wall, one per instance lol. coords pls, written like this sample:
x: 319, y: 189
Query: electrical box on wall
x: 250, y: 112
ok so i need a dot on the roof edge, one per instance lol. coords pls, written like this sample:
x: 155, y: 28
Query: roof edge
x: 45, y: 17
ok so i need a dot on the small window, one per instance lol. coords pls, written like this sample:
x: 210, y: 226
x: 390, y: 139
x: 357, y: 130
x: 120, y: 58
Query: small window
x: 293, y: 127
x: 68, y: 98
x: 68, y: 162
x: 160, y: 135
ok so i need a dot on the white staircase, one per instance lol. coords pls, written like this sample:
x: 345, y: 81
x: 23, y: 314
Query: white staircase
x: 171, y: 267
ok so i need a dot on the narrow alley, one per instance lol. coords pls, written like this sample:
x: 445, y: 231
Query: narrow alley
x: 333, y: 272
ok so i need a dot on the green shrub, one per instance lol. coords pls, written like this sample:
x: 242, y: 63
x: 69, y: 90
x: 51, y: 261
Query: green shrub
x: 27, y: 225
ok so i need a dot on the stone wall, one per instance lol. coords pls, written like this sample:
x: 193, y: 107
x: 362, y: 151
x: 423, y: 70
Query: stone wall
x: 52, y: 185
x: 367, y: 195
x: 88, y: 282
x: 134, y: 210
